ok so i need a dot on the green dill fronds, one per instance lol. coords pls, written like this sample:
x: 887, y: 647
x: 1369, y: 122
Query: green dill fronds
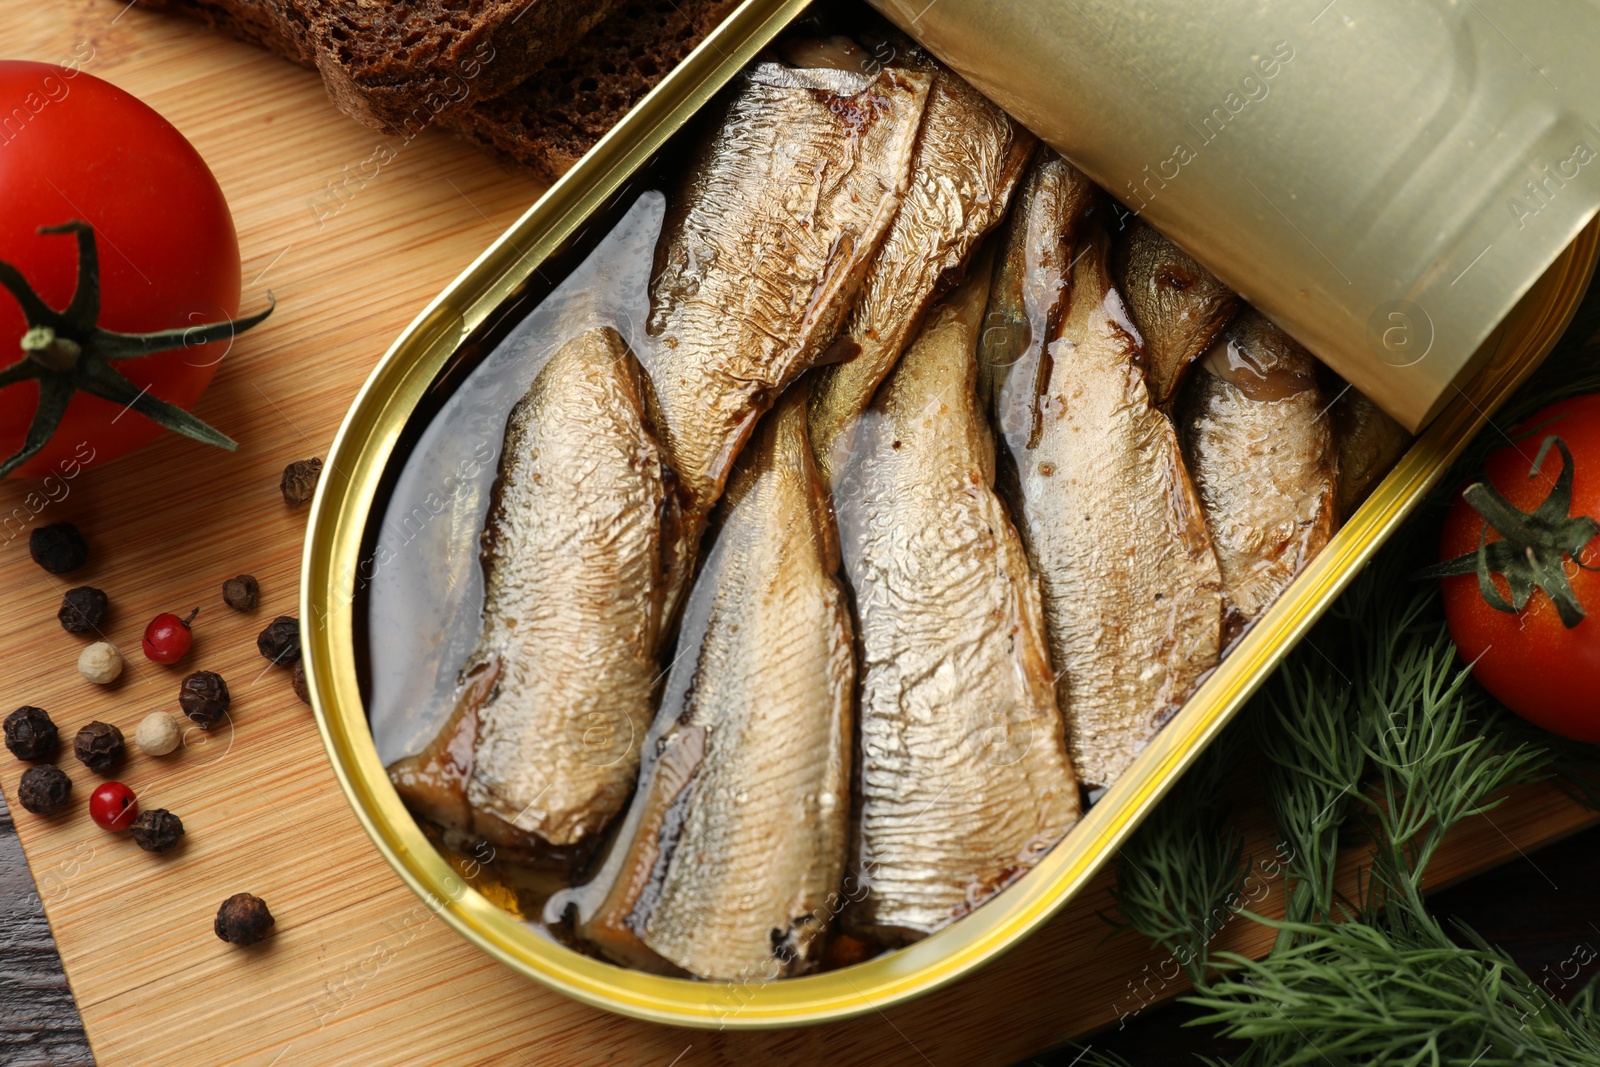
x: 1587, y: 1000
x: 1434, y: 768
x: 1307, y: 727
x: 1179, y: 876
x: 1179, y: 888
x: 1354, y: 993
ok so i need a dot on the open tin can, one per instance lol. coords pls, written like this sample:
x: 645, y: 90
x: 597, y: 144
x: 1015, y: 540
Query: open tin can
x: 456, y: 333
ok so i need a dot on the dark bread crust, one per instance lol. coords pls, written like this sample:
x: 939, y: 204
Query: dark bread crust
x: 549, y: 121
x: 542, y: 124
x: 397, y: 64
x: 256, y: 22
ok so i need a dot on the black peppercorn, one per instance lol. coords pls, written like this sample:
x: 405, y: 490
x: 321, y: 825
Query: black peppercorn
x: 30, y: 734
x: 157, y: 830
x: 241, y: 593
x: 243, y: 919
x: 58, y: 548
x: 280, y: 641
x: 82, y: 609
x: 300, y: 481
x: 203, y: 696
x: 297, y: 678
x: 99, y: 746
x: 44, y: 790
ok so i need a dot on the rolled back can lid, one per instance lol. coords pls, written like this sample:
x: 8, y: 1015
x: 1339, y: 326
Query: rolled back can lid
x: 1383, y: 180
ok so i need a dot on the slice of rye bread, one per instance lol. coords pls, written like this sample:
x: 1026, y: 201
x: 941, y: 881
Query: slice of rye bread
x: 398, y: 64
x: 548, y: 120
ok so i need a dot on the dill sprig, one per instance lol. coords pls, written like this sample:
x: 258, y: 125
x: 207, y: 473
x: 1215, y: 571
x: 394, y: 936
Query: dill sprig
x: 1400, y: 992
x: 1587, y: 1000
x: 1178, y: 877
x: 1423, y: 730
x: 1308, y: 730
x: 1419, y: 748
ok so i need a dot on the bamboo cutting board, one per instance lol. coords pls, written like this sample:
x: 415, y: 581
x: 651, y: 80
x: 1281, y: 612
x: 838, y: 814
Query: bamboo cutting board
x: 358, y: 970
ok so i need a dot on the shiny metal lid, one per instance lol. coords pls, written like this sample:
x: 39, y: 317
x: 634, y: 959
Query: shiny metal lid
x: 1384, y: 180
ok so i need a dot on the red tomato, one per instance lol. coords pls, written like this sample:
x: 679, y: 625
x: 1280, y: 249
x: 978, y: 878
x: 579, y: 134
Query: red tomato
x: 1535, y: 665
x: 76, y: 147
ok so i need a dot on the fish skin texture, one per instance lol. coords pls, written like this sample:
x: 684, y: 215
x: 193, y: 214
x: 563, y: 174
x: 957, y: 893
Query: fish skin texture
x: 1370, y: 444
x: 542, y: 747
x: 1131, y: 586
x: 765, y: 245
x: 969, y: 158
x: 1259, y: 440
x: 1032, y: 279
x: 729, y: 863
x: 1178, y: 305
x: 963, y: 772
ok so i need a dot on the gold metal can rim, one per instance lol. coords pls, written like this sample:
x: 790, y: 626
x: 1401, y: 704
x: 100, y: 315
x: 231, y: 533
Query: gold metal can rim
x: 332, y: 567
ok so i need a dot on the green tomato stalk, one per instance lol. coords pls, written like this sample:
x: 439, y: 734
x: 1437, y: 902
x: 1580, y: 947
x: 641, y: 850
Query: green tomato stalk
x: 1534, y: 546
x: 66, y: 353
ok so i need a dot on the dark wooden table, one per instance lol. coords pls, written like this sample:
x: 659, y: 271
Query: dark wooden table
x: 38, y: 1021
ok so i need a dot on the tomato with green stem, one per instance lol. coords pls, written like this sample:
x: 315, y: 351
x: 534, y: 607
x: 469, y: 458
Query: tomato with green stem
x: 1521, y: 570
x: 120, y: 257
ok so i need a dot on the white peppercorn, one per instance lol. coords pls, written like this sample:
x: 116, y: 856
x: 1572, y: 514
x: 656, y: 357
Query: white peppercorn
x: 100, y: 662
x: 157, y: 734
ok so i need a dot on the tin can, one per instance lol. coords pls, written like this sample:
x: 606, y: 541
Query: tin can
x: 1382, y: 180
x: 463, y: 323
